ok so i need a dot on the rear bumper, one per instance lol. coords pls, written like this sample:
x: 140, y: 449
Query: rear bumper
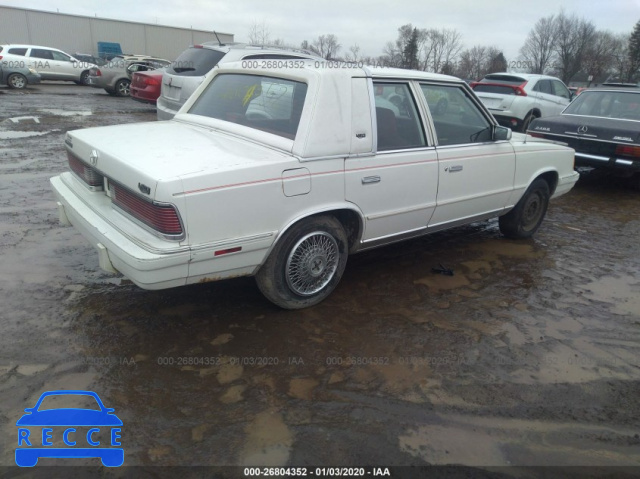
x: 149, y: 268
x: 597, y: 161
x: 165, y: 112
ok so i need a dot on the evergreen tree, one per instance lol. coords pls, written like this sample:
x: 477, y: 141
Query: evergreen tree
x: 410, y: 52
x: 634, y: 53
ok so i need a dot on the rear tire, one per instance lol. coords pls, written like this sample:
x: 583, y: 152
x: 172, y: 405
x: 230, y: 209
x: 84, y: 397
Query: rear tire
x: 306, y: 264
x: 525, y: 218
x: 122, y: 87
x: 17, y: 81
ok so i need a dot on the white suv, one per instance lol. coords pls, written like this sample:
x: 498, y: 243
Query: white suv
x: 50, y: 63
x: 187, y: 72
x: 515, y: 99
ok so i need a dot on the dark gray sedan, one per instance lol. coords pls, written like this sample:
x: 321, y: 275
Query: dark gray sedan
x: 18, y: 77
x: 602, y: 125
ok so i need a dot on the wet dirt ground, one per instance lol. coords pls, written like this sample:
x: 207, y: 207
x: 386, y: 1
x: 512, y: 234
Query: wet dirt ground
x: 528, y: 355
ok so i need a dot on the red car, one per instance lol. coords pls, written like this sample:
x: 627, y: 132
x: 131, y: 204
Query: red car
x: 145, y: 86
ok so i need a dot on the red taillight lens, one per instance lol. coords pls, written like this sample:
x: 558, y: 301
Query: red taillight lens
x: 628, y: 150
x: 162, y: 218
x: 90, y: 176
x: 98, y: 73
x: 520, y: 90
x: 150, y: 81
x: 535, y: 135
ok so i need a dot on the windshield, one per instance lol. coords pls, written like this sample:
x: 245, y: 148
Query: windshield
x: 608, y: 104
x: 265, y: 103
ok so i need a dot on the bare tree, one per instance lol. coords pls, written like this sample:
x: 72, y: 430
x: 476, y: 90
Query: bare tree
x: 599, y: 57
x: 440, y: 48
x: 473, y: 63
x: 539, y: 47
x: 390, y: 55
x: 326, y: 46
x: 619, y: 56
x: 354, y: 54
x: 259, y: 33
x: 574, y: 35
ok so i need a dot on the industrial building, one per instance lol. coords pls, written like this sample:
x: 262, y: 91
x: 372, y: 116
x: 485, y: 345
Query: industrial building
x: 81, y: 34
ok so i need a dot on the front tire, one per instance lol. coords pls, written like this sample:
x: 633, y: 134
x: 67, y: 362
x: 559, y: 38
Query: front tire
x: 122, y: 87
x: 17, y: 81
x: 306, y: 264
x: 525, y: 218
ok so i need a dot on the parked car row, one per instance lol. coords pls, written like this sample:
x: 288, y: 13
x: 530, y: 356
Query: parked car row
x: 115, y: 76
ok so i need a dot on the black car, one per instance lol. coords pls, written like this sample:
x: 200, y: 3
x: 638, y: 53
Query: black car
x: 602, y: 125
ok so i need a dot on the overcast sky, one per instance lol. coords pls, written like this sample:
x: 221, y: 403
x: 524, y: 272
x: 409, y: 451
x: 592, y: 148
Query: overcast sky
x: 369, y: 23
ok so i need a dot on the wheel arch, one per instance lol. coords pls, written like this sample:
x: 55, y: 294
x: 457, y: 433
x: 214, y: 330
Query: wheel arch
x: 535, y: 111
x: 551, y: 177
x: 351, y: 219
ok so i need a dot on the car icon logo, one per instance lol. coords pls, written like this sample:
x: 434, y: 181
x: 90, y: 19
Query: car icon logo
x: 81, y: 430
x: 583, y: 129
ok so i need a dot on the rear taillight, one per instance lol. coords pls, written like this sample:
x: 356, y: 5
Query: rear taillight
x: 87, y: 174
x: 520, y: 90
x: 98, y: 73
x: 163, y: 218
x: 150, y: 81
x: 628, y: 150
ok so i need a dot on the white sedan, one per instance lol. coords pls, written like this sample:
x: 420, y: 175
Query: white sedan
x: 282, y: 173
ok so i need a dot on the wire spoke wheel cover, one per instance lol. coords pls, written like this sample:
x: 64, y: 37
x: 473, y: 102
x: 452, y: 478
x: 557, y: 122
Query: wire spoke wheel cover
x: 312, y: 263
x: 306, y: 263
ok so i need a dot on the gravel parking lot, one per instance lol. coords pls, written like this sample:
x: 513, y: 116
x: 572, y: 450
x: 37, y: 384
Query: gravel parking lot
x: 528, y: 355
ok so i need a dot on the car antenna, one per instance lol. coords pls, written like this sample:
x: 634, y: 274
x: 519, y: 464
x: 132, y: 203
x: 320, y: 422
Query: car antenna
x: 217, y: 38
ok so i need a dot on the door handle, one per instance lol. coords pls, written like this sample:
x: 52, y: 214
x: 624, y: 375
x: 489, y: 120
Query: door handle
x: 453, y: 169
x: 370, y: 179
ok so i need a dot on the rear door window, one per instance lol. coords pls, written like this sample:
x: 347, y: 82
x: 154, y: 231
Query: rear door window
x: 41, y: 53
x: 398, y: 122
x: 543, y: 86
x: 17, y: 51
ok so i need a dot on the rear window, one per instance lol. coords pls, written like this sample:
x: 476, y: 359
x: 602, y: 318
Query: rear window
x: 510, y: 79
x: 195, y: 62
x: 606, y: 104
x: 269, y: 104
x: 503, y: 90
x: 17, y: 51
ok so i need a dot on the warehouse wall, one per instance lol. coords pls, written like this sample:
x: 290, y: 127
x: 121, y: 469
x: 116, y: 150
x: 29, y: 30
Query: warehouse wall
x: 75, y: 33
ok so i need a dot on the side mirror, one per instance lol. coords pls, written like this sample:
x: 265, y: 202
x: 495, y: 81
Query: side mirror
x: 501, y: 133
